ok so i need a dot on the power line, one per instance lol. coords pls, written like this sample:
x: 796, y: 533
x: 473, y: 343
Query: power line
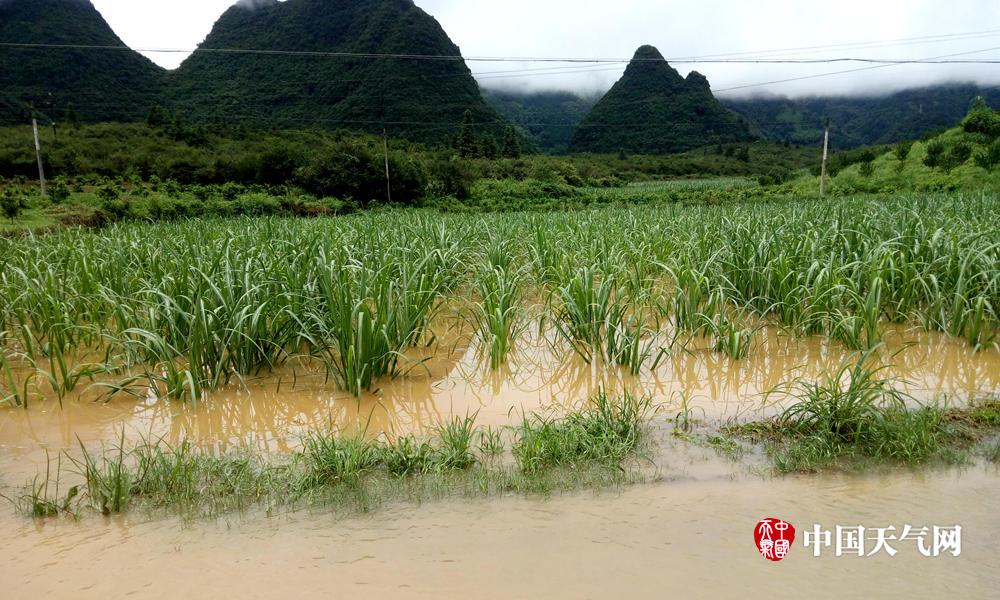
x: 428, y: 57
x: 882, y: 66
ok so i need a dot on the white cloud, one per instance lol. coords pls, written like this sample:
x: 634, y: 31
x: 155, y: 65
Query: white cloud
x: 600, y: 28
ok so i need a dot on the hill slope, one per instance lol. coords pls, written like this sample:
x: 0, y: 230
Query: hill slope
x: 546, y: 119
x: 417, y: 99
x: 963, y: 158
x: 861, y: 121
x: 652, y: 109
x: 100, y: 85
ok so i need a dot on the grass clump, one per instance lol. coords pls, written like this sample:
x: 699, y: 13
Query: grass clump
x: 42, y: 498
x: 985, y: 414
x: 498, y: 319
x: 854, y: 418
x: 180, y: 476
x: 455, y: 444
x: 334, y: 459
x: 109, y: 479
x: 408, y: 456
x: 491, y: 441
x: 845, y: 411
x: 605, y: 433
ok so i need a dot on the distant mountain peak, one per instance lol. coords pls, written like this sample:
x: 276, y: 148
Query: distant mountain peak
x: 648, y: 52
x: 254, y: 4
x: 653, y: 109
x: 417, y: 99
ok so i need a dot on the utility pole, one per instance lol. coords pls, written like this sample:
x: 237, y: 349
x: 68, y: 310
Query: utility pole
x: 388, y: 184
x: 38, y: 152
x: 826, y: 153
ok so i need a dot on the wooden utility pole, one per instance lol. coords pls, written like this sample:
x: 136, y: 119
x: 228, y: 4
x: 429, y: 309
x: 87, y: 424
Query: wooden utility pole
x: 38, y: 152
x: 388, y: 184
x: 826, y: 153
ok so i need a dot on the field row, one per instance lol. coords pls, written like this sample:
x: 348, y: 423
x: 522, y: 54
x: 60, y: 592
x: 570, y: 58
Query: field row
x: 190, y: 306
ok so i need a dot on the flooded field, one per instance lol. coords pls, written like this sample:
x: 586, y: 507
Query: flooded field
x: 256, y: 338
x: 271, y: 414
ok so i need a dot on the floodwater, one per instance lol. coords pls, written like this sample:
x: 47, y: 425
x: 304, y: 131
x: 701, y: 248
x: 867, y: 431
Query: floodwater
x: 272, y: 413
x: 690, y: 539
x: 688, y: 534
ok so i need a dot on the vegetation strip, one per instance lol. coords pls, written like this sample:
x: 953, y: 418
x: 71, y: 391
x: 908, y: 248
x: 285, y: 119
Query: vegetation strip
x: 590, y: 447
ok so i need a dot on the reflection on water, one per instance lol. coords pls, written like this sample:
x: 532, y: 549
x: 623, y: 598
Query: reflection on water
x: 450, y: 380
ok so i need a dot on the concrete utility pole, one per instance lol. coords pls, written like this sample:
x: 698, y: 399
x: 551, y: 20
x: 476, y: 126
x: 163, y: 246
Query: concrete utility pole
x: 38, y: 152
x: 826, y: 153
x: 388, y: 184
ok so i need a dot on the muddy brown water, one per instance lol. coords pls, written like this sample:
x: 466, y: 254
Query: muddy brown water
x: 690, y: 539
x: 688, y: 534
x: 272, y: 413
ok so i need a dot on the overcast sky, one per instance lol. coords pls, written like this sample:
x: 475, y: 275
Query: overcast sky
x: 606, y: 29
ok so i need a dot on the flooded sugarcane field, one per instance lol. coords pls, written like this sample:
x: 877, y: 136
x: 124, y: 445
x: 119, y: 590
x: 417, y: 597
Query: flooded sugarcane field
x: 626, y: 400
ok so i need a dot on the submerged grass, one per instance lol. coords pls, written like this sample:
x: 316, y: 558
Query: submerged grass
x: 854, y: 418
x: 605, y: 434
x: 586, y: 448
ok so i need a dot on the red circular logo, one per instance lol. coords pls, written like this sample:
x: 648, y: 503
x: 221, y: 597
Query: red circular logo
x: 774, y: 538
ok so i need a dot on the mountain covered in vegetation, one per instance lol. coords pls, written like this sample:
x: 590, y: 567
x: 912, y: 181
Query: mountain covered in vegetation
x: 326, y: 73
x: 966, y: 157
x: 862, y: 121
x: 856, y: 121
x: 97, y: 84
x: 652, y: 109
x: 546, y: 119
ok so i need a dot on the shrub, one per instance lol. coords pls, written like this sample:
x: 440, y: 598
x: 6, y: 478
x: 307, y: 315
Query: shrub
x: 231, y: 190
x: 449, y: 177
x: 256, y: 205
x: 935, y: 154
x: 59, y: 192
x: 10, y: 204
x: 112, y: 204
x: 959, y: 154
x: 524, y: 195
x: 982, y: 119
x: 990, y: 157
x: 557, y: 172
x: 353, y: 170
x: 903, y: 150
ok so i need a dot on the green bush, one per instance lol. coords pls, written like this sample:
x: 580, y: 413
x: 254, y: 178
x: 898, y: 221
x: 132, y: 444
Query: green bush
x: 59, y: 191
x: 257, y: 205
x: 903, y: 150
x: 958, y: 155
x: 990, y: 157
x: 355, y: 171
x: 524, y: 195
x: 10, y: 204
x: 935, y: 154
x: 867, y: 168
x: 449, y: 178
x: 982, y: 119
